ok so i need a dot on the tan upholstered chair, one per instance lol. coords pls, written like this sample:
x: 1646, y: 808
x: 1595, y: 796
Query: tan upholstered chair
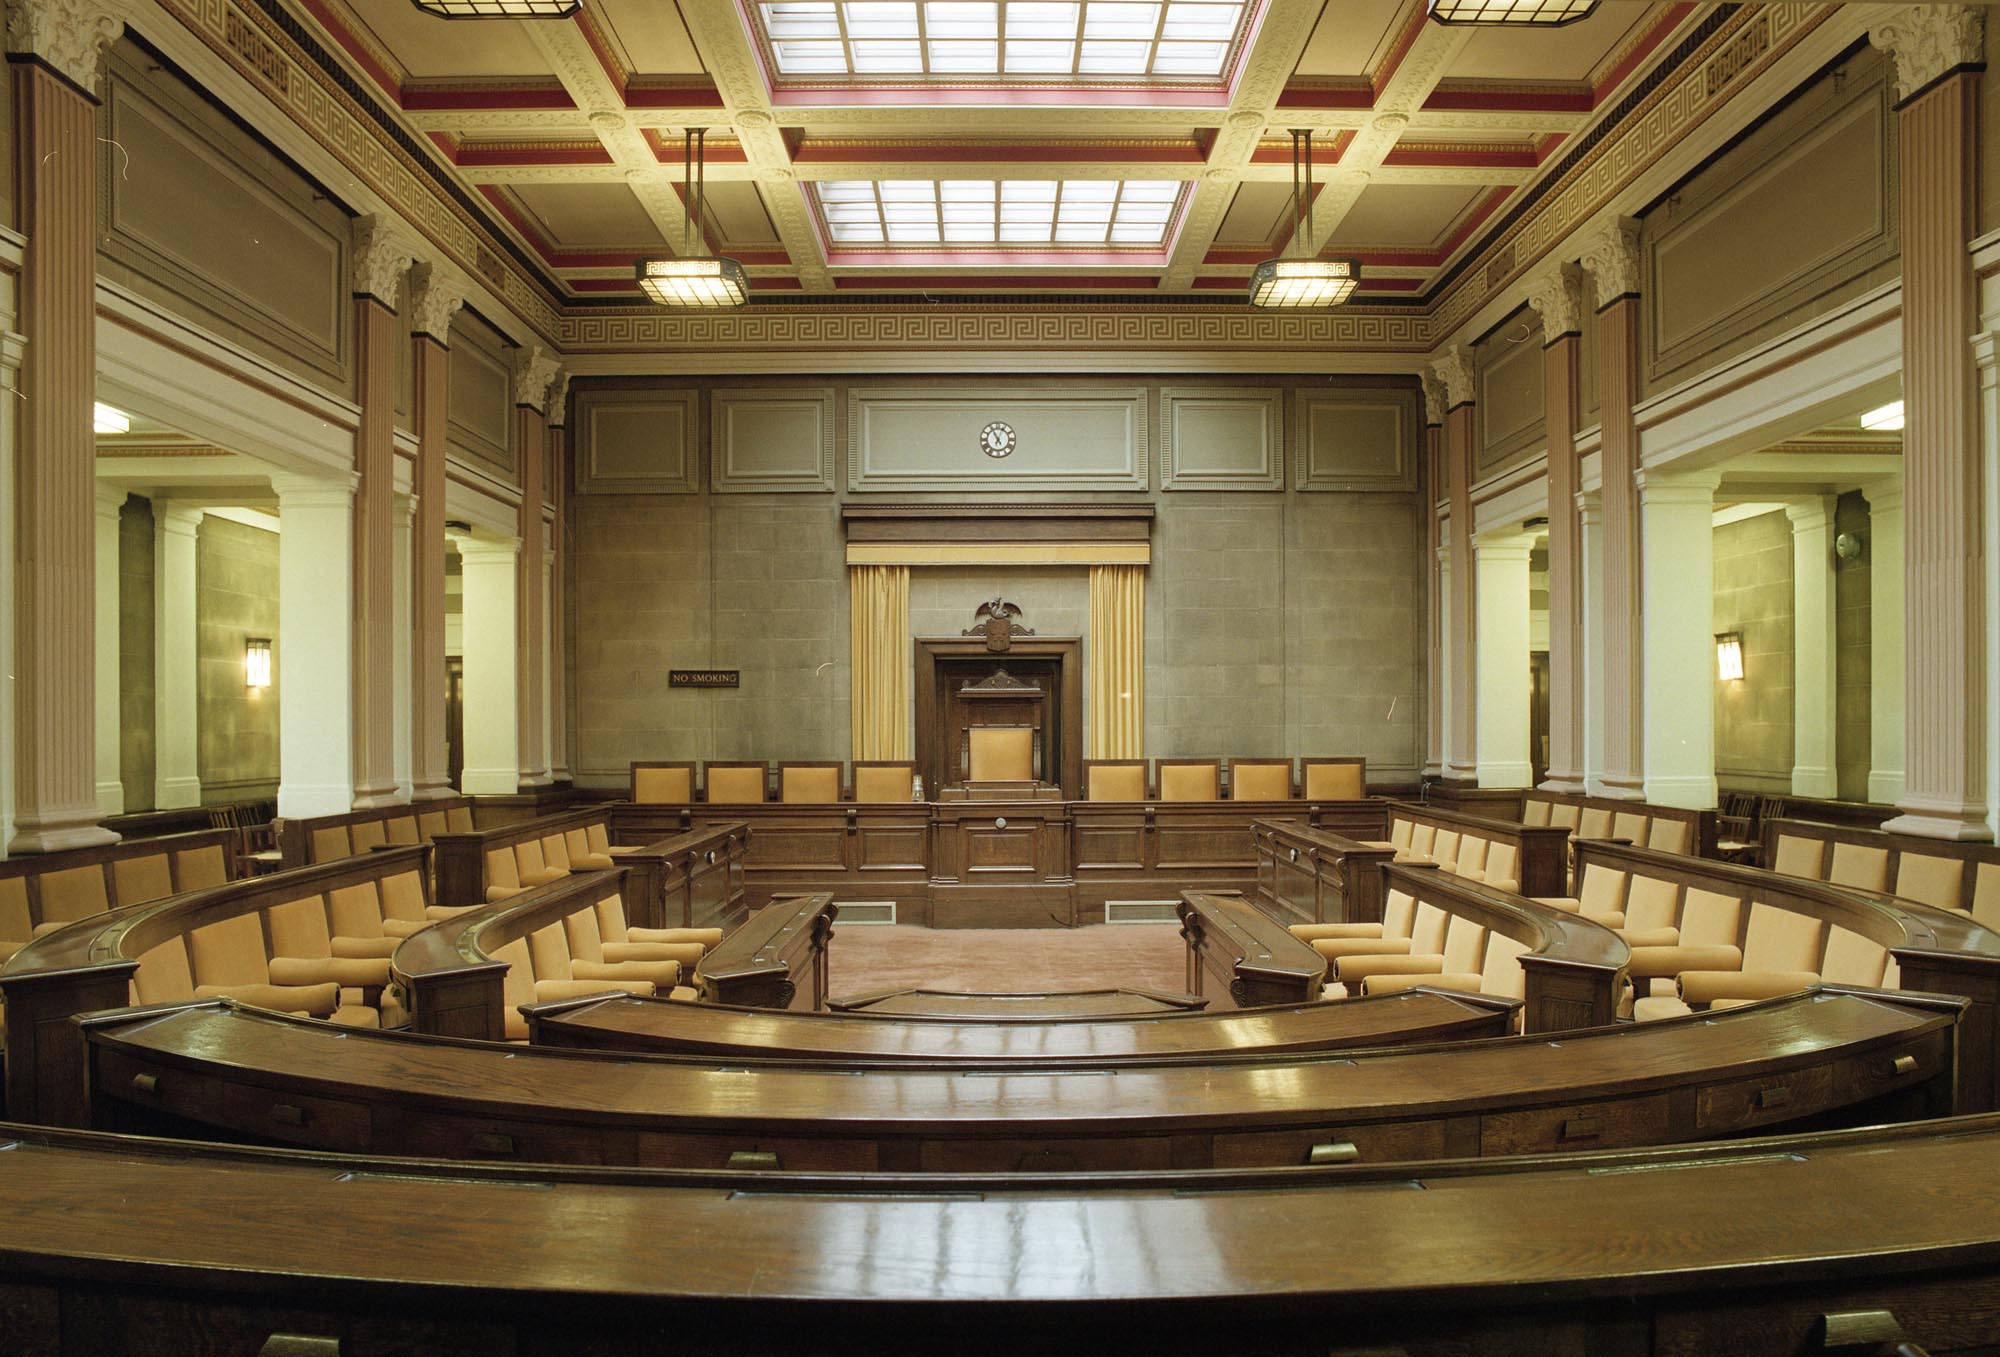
x: 330, y: 843
x: 197, y: 869
x: 1629, y: 826
x: 302, y: 954
x: 1000, y: 754
x: 1114, y: 780
x: 229, y: 961
x: 458, y: 819
x: 402, y: 829
x: 1986, y: 895
x: 368, y: 835
x: 582, y: 857
x: 882, y: 780
x: 503, y: 876
x: 533, y: 867
x: 1189, y: 779
x: 1566, y: 815
x: 735, y: 783
x: 163, y: 976
x: 1860, y: 866
x: 1799, y: 856
x: 1670, y: 835
x: 1260, y: 779
x: 1594, y: 822
x: 1781, y: 955
x: 656, y: 783
x: 816, y: 784
x: 1931, y: 880
x: 71, y: 894
x: 17, y: 923
x: 624, y: 943
x: 430, y: 824
x: 138, y: 880
x: 1534, y: 810
x: 1335, y: 779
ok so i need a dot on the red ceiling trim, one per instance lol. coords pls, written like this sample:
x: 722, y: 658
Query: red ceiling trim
x: 1635, y: 56
x: 1514, y: 99
x: 422, y: 99
x: 351, y: 43
x: 668, y: 151
x: 1405, y: 40
x: 626, y: 285
x: 552, y: 154
x: 1505, y: 157
x: 661, y: 94
x: 1031, y: 282
x: 600, y: 47
x: 1312, y: 95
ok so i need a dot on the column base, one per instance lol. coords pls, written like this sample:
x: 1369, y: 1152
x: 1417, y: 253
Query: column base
x: 1885, y: 788
x: 1461, y: 772
x: 176, y: 793
x: 1565, y: 781
x: 110, y: 798
x: 375, y: 797
x: 1506, y: 775
x: 432, y: 791
x: 1431, y: 769
x: 55, y: 834
x: 1695, y: 793
x: 490, y: 781
x: 1620, y: 787
x: 1962, y: 824
x: 1818, y: 782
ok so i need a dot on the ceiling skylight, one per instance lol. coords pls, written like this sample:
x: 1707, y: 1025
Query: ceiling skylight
x: 1035, y: 39
x: 1134, y: 212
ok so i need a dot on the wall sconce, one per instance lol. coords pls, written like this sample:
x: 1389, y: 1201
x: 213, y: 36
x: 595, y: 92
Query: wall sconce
x: 1729, y: 655
x: 257, y: 661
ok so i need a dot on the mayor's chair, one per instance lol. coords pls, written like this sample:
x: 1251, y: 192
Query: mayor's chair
x: 1000, y: 754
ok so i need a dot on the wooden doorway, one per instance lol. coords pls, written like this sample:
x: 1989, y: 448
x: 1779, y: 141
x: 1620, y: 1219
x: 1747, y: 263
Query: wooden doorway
x: 1042, y: 679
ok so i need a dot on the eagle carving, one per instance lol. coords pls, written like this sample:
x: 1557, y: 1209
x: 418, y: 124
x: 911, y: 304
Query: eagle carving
x: 995, y: 621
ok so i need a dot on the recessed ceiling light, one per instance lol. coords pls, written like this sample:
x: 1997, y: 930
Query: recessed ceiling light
x: 1884, y: 419
x: 997, y: 211
x: 1511, y: 13
x: 104, y: 419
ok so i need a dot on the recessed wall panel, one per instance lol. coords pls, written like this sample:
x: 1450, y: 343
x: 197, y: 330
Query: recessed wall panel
x: 930, y: 439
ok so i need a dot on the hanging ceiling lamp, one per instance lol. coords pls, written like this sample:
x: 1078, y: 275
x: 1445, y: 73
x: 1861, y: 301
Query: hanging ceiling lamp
x: 1511, y: 13
x: 1300, y: 279
x: 499, y: 9
x: 692, y: 280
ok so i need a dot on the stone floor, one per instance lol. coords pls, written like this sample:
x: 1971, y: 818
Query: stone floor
x: 1103, y: 956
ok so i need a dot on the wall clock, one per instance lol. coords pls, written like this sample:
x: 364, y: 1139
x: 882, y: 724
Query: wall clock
x: 997, y: 439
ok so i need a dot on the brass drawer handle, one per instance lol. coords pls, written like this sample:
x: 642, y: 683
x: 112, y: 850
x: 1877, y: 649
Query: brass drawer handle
x: 1902, y: 1065
x: 1774, y: 1097
x: 146, y: 1083
x: 491, y: 1142
x: 1334, y: 1152
x: 753, y: 1159
x: 1581, y: 1128
x: 288, y: 1114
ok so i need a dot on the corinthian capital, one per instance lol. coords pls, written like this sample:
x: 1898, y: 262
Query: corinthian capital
x: 558, y: 396
x: 381, y: 257
x: 435, y: 298
x: 533, y: 371
x: 68, y: 35
x: 1929, y: 40
x: 1611, y: 258
x: 1556, y: 294
x: 1453, y: 369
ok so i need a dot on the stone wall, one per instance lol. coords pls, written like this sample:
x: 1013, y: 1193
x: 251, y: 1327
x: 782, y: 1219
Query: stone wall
x: 135, y: 652
x: 1852, y: 714
x: 1753, y: 595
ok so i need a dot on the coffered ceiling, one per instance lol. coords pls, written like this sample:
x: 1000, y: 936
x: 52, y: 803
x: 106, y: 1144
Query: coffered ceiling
x: 996, y: 146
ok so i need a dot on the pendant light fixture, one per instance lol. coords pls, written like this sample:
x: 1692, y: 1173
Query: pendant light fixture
x: 1300, y: 279
x: 499, y: 9
x: 693, y: 280
x: 1510, y: 13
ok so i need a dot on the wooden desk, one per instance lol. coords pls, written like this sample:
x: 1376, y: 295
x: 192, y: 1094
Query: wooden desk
x: 631, y: 1024
x: 1240, y: 957
x: 1017, y: 1005
x: 1311, y: 876
x: 1816, y: 1059
x: 114, y: 1244
x: 777, y: 959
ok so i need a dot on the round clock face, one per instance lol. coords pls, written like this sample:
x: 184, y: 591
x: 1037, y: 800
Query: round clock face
x: 996, y: 439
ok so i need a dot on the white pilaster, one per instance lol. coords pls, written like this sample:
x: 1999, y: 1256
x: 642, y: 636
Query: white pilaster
x: 404, y: 526
x: 315, y: 645
x: 490, y: 619
x: 176, y: 657
x: 1885, y: 644
x: 1590, y: 530
x: 1677, y: 591
x: 1814, y: 650
x: 110, y: 787
x: 549, y: 714
x: 1501, y: 660
x: 1446, y: 732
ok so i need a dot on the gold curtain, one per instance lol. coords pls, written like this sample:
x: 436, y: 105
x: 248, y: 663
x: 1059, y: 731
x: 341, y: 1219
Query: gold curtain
x: 879, y: 681
x: 1117, y: 662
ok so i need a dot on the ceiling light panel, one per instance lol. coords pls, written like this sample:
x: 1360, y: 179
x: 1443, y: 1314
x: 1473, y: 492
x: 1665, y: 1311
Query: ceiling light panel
x: 1028, y: 39
x: 1127, y: 212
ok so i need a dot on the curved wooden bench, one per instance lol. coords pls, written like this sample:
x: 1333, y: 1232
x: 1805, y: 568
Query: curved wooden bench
x: 129, y: 955
x: 328, y: 838
x: 1934, y: 950
x: 1487, y: 1251
x: 625, y: 1023
x: 1240, y: 957
x: 1937, y: 872
x: 234, y: 1071
x: 1315, y: 876
x: 1540, y: 852
x: 1037, y: 1006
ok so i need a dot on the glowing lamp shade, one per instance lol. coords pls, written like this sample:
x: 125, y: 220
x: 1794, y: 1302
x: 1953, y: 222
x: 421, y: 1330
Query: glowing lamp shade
x: 1729, y: 655
x: 108, y: 419
x: 1304, y: 282
x: 257, y: 662
x: 1884, y: 419
x: 1511, y: 13
x: 499, y: 9
x: 699, y: 282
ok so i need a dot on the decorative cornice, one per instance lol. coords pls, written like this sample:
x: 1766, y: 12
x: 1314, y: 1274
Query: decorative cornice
x: 1556, y: 294
x: 1927, y: 41
x: 1610, y: 255
x: 381, y: 256
x: 68, y: 35
x: 435, y: 298
x: 533, y: 371
x: 1453, y: 369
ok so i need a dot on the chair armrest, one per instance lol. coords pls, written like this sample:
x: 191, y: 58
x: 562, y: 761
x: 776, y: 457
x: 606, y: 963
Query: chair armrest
x: 1335, y: 948
x: 547, y: 991
x: 316, y: 1001
x: 1651, y: 937
x: 1466, y: 981
x: 656, y: 973
x: 365, y: 947
x: 357, y: 972
x: 685, y: 953
x: 1318, y: 932
x: 1657, y: 963
x: 1349, y: 969
x: 707, y: 937
x: 1703, y: 987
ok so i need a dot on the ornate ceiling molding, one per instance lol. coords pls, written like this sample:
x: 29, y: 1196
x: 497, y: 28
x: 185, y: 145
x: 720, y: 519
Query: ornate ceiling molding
x: 1556, y: 294
x: 69, y: 36
x: 381, y: 256
x: 1610, y: 255
x: 1927, y: 41
x: 1454, y: 372
x: 435, y: 299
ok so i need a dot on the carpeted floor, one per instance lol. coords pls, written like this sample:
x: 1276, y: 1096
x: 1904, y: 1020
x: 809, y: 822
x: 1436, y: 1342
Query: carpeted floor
x: 1102, y: 956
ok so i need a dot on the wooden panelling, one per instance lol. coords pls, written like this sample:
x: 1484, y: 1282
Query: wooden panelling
x: 772, y: 439
x: 928, y: 438
x: 1222, y: 438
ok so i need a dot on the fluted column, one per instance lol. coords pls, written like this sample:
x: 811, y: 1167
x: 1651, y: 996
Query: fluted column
x: 1434, y: 573
x: 1611, y: 258
x: 405, y: 516
x: 1678, y: 534
x: 1454, y: 369
x: 1938, y: 50
x: 558, y: 626
x: 1814, y: 649
x: 1885, y: 644
x: 176, y: 656
x: 110, y: 784
x: 492, y: 666
x: 56, y: 48
x: 315, y: 659
x: 434, y: 300
x: 1590, y: 540
x: 1505, y: 720
x: 380, y: 260
x: 531, y: 383
x: 1556, y: 294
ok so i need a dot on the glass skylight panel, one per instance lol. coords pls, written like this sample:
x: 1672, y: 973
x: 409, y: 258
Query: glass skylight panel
x: 1032, y: 39
x: 1004, y: 212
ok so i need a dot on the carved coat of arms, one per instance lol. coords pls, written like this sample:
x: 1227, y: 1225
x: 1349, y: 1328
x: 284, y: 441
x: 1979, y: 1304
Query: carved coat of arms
x: 995, y: 621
